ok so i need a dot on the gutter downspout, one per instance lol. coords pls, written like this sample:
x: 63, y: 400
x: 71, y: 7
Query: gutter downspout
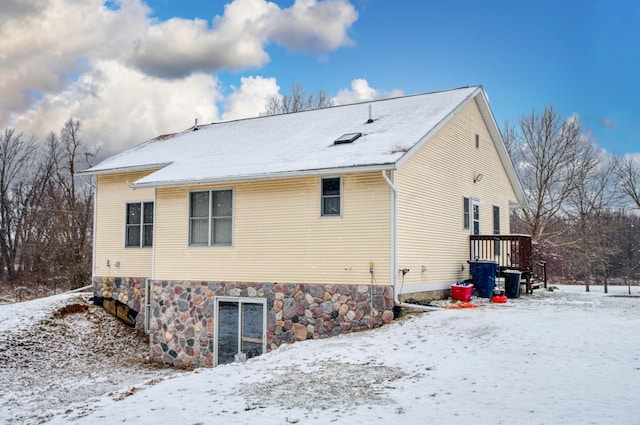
x: 95, y: 227
x: 153, y: 239
x: 394, y: 247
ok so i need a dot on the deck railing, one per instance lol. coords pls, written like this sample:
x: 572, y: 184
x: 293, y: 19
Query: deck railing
x: 510, y: 252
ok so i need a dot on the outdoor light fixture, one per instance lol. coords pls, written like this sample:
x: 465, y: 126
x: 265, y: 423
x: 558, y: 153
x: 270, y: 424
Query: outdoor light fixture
x: 478, y: 178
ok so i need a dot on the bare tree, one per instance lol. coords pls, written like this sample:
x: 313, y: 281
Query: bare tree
x: 588, y: 212
x: 629, y: 179
x: 20, y: 182
x: 298, y: 100
x: 72, y: 204
x: 550, y: 155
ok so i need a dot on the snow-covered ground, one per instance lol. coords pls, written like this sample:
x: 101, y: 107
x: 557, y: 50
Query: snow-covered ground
x: 561, y: 357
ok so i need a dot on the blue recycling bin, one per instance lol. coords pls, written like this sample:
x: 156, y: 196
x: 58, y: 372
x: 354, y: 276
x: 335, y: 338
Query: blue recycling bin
x: 484, y: 276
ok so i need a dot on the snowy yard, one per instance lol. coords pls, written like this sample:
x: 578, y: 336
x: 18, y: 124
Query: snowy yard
x: 562, y: 357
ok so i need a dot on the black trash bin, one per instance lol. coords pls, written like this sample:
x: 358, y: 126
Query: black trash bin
x: 484, y: 276
x: 512, y: 283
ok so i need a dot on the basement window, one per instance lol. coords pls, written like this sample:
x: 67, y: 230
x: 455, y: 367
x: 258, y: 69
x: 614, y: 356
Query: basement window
x: 347, y: 138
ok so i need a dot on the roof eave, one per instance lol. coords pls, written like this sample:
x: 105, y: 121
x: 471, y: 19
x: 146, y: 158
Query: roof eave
x: 119, y: 170
x: 266, y: 176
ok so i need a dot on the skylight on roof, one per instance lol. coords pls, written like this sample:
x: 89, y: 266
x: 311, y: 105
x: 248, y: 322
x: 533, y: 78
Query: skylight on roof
x: 347, y: 138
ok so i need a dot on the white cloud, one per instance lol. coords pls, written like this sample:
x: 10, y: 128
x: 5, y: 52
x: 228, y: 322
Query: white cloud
x: 361, y: 92
x: 111, y: 64
x: 120, y: 107
x: 250, y: 99
x: 236, y: 39
x: 47, y: 44
x: 310, y: 25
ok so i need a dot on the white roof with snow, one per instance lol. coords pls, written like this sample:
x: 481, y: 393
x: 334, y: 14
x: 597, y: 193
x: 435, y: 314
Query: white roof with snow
x: 295, y: 144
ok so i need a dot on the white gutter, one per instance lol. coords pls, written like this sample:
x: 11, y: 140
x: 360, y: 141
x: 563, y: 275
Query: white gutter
x: 394, y: 247
x: 118, y: 170
x: 261, y: 176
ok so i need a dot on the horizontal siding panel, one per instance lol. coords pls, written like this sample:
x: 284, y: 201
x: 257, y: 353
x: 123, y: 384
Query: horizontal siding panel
x: 113, y: 193
x: 280, y: 236
x: 431, y: 186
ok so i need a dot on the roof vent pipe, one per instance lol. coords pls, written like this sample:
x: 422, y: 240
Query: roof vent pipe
x: 370, y: 120
x: 195, y: 126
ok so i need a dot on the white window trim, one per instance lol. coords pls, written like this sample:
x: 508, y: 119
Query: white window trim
x: 493, y: 229
x: 240, y: 300
x: 340, y: 197
x: 210, y: 218
x: 466, y: 203
x: 147, y: 305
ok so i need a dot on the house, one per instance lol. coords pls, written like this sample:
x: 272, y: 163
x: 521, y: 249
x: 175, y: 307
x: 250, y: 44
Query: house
x: 226, y: 240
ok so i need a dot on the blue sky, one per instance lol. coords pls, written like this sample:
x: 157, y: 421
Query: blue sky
x: 581, y: 56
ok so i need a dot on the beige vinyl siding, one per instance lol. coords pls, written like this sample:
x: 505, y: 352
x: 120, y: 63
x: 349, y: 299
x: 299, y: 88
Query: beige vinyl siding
x: 431, y: 187
x: 112, y: 195
x: 279, y: 235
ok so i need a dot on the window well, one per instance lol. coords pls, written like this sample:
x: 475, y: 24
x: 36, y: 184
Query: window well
x: 346, y: 138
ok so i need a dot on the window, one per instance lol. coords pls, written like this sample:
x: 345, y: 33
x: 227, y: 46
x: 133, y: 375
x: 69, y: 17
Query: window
x: 139, y: 231
x: 211, y: 218
x: 466, y: 207
x: 330, y: 198
x: 476, y: 218
x: 241, y: 329
x: 477, y: 141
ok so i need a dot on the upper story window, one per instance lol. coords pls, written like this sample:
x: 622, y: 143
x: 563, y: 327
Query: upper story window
x: 466, y: 213
x: 477, y: 141
x: 211, y: 218
x: 139, y: 228
x: 330, y: 196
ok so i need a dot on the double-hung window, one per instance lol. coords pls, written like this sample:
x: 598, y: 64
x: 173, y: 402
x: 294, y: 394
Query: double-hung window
x: 211, y: 218
x: 330, y: 196
x: 139, y: 227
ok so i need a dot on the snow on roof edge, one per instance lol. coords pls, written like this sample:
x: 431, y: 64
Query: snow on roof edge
x: 268, y: 176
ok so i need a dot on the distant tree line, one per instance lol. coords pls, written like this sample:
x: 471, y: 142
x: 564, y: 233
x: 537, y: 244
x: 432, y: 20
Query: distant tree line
x: 584, y: 206
x: 46, y: 212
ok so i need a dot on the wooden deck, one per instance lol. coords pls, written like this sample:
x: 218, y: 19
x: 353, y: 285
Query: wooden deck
x: 511, y: 252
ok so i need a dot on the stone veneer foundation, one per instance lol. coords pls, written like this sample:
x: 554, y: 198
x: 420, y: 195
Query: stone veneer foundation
x: 129, y: 291
x: 182, y: 318
x: 183, y: 322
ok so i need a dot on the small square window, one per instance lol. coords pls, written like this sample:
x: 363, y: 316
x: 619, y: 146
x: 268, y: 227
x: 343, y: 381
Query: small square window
x: 330, y: 197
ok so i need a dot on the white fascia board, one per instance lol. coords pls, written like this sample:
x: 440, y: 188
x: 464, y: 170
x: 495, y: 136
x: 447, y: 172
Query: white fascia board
x: 269, y: 176
x: 119, y: 170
